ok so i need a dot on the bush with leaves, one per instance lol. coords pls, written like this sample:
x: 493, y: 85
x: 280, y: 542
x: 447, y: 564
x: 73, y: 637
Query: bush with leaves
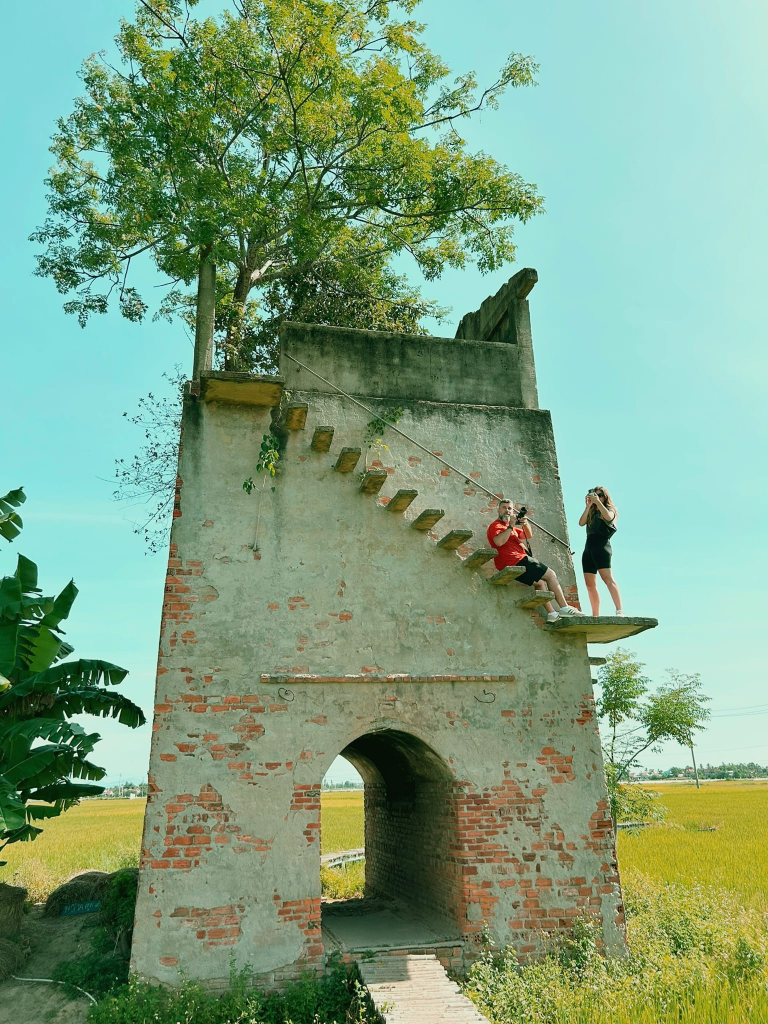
x: 634, y: 720
x: 44, y: 755
x: 337, y: 998
x: 105, y: 966
x: 696, y: 955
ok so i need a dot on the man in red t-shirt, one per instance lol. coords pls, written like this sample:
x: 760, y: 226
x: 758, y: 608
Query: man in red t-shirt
x: 509, y: 538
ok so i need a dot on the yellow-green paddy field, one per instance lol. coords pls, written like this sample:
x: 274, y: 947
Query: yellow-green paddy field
x: 695, y: 890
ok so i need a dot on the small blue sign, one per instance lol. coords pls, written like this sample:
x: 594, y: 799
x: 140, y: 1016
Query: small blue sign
x: 89, y: 907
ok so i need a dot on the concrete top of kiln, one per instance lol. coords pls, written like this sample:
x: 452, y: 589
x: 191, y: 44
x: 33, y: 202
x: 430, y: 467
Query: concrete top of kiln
x: 400, y: 366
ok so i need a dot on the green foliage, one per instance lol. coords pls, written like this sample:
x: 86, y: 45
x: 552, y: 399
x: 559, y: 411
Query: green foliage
x: 99, y: 972
x: 693, y: 953
x: 10, y: 520
x: 375, y: 428
x: 42, y: 752
x: 150, y: 475
x: 309, y: 1001
x: 298, y: 147
x: 636, y: 720
x: 106, y: 965
x: 269, y: 456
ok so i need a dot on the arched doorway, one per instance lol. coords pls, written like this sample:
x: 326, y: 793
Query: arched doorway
x: 413, y: 863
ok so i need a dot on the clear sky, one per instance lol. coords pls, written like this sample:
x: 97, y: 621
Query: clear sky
x: 647, y: 136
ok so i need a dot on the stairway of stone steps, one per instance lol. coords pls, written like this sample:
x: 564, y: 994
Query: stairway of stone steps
x: 414, y: 989
x: 602, y: 629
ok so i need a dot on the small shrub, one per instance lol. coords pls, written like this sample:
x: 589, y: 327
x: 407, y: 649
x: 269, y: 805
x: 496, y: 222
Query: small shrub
x: 334, y: 999
x: 105, y: 967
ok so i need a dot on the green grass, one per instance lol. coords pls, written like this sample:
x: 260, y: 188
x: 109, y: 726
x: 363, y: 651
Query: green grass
x: 100, y: 835
x: 734, y: 856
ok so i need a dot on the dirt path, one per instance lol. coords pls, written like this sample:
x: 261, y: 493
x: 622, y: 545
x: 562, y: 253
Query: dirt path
x: 51, y: 940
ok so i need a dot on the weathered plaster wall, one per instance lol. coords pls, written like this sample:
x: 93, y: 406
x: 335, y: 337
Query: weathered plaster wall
x: 340, y: 588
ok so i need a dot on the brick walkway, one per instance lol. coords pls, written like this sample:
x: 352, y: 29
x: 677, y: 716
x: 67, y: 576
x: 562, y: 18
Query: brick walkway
x: 413, y: 989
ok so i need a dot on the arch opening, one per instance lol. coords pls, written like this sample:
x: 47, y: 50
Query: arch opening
x: 413, y: 868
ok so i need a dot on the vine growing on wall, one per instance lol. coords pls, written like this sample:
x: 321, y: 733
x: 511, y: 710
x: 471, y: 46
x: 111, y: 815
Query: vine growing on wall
x: 375, y: 428
x: 269, y: 456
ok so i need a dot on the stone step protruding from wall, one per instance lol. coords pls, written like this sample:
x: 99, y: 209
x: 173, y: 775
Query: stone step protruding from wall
x: 321, y: 439
x: 479, y: 557
x: 401, y: 501
x: 415, y: 989
x: 596, y: 662
x: 454, y: 539
x: 347, y: 460
x: 602, y: 629
x: 427, y: 519
x: 538, y: 597
x: 506, y: 576
x: 296, y: 416
x: 373, y: 481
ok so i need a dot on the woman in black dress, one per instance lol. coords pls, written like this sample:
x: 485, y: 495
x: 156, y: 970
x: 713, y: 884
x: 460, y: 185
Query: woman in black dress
x: 599, y: 517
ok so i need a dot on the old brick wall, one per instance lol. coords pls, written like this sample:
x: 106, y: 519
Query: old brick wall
x: 346, y: 624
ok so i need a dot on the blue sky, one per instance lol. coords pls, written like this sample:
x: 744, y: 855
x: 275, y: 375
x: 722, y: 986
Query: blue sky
x: 647, y: 136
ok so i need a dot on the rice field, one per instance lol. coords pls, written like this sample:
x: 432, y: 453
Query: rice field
x: 342, y: 819
x: 106, y: 835
x: 734, y: 856
x: 102, y: 835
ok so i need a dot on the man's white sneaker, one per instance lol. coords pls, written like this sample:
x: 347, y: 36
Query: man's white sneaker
x: 552, y: 616
x: 621, y: 615
x: 569, y: 610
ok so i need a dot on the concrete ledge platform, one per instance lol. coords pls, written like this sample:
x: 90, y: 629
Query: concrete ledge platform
x: 602, y: 629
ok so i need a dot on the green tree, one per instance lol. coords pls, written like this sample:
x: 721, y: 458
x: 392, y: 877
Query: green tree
x: 272, y: 162
x: 634, y: 719
x: 44, y: 755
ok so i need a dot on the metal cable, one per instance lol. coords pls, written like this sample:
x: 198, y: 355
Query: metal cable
x: 413, y: 440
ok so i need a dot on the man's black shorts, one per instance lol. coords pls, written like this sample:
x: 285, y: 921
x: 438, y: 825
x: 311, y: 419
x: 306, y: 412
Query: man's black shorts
x: 533, y: 570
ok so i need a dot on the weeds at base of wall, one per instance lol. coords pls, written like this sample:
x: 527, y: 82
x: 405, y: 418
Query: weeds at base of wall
x: 105, y: 967
x: 697, y: 956
x: 338, y: 998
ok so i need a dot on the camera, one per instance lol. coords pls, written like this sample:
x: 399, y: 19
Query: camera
x: 521, y: 514
x: 591, y: 491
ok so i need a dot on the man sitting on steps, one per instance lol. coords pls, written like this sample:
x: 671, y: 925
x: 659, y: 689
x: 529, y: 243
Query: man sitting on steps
x: 508, y: 535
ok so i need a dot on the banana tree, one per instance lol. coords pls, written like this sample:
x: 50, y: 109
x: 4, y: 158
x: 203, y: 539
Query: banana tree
x: 44, y: 756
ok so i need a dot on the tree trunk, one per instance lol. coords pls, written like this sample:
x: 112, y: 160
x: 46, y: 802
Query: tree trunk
x: 695, y: 769
x: 205, y: 318
x: 233, y: 342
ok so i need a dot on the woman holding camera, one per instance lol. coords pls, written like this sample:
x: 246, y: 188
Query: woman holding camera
x: 599, y: 517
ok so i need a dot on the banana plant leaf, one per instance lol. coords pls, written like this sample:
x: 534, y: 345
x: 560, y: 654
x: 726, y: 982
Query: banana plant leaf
x: 61, y: 792
x: 11, y: 525
x: 83, y: 672
x: 12, y: 500
x: 14, y: 738
x: 10, y: 598
x: 92, y: 701
x: 49, y: 763
x: 10, y: 520
x: 38, y: 647
x: 61, y: 606
x: 12, y: 810
x: 8, y: 647
x: 26, y: 574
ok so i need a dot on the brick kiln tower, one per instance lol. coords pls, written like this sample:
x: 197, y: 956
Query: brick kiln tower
x: 369, y: 622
